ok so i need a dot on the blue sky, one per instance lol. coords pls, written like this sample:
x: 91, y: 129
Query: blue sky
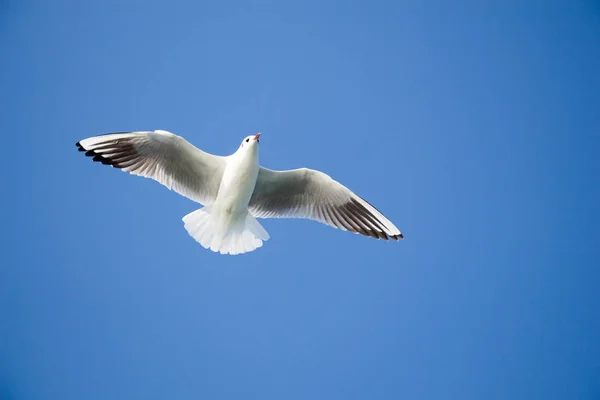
x: 475, y: 128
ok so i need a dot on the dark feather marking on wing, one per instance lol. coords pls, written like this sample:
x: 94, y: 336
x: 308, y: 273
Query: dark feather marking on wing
x: 365, y: 230
x: 368, y: 213
x: 352, y: 220
x: 362, y: 210
x: 371, y: 229
x: 368, y: 218
x: 119, y: 153
x: 375, y: 208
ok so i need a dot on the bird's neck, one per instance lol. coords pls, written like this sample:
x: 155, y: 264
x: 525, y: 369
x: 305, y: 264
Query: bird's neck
x: 248, y: 158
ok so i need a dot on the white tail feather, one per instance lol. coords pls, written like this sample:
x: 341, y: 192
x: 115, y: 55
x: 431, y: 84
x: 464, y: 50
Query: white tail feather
x: 244, y: 235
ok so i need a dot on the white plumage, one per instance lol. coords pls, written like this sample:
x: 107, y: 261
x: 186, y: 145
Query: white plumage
x: 235, y: 190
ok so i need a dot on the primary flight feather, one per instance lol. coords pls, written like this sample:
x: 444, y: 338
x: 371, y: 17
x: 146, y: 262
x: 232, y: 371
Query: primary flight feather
x: 235, y: 190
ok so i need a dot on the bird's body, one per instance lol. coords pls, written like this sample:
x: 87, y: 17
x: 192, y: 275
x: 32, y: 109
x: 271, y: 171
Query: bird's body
x: 238, y: 181
x: 235, y: 190
x: 226, y: 225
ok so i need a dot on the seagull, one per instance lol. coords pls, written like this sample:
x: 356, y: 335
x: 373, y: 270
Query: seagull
x: 235, y: 190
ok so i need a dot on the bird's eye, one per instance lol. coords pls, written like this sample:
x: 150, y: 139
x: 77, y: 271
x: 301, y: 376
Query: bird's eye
x: 247, y: 140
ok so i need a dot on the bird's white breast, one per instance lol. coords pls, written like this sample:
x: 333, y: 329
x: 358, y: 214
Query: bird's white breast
x: 237, y: 185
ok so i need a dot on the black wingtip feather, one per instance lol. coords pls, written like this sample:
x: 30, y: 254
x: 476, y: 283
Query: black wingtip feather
x: 367, y: 217
x: 116, y: 161
x: 103, y: 160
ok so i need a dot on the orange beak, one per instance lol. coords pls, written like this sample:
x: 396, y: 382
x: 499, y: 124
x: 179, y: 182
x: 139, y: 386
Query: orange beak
x: 257, y: 136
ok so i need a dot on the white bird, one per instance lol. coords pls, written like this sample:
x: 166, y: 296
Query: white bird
x: 235, y: 190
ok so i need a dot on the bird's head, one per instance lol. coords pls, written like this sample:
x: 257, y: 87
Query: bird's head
x: 250, y: 142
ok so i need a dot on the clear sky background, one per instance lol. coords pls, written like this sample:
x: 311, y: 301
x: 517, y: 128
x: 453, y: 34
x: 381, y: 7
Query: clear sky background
x: 474, y: 127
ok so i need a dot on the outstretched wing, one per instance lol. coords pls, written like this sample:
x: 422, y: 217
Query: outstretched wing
x: 306, y: 193
x: 160, y: 155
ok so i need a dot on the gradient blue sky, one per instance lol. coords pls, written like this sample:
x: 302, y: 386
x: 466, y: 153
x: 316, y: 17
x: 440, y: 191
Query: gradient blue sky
x: 475, y: 128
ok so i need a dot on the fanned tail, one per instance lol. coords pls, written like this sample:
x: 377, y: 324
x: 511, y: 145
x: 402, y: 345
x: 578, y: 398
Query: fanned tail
x: 244, y: 235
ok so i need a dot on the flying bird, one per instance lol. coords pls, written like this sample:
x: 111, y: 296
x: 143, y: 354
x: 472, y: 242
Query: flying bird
x: 235, y: 189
